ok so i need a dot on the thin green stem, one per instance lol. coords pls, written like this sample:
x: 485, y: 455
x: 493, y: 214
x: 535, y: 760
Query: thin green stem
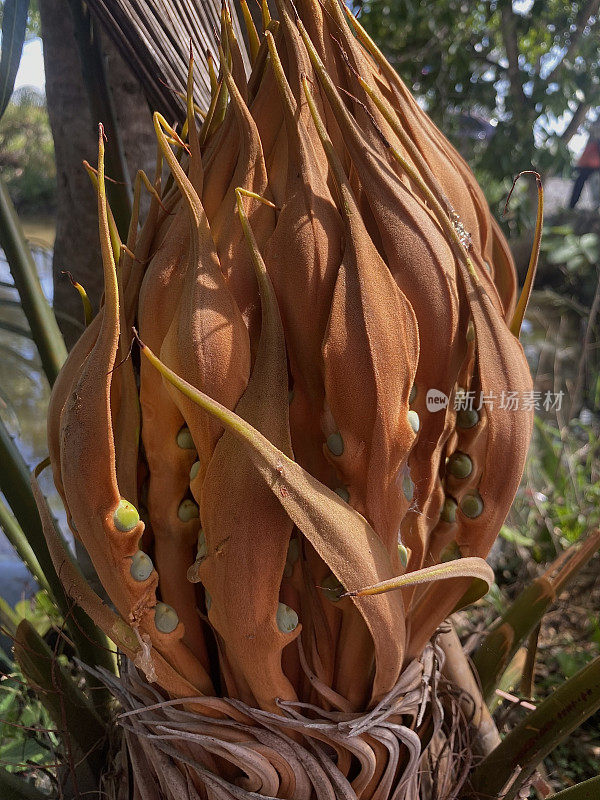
x: 15, y: 484
x: 40, y: 316
x: 14, y: 534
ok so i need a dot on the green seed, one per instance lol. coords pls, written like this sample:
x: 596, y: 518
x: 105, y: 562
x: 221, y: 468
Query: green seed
x: 451, y: 552
x: 207, y: 600
x: 287, y: 619
x: 408, y: 487
x: 141, y: 566
x: 335, y: 443
x: 467, y: 418
x: 459, y: 465
x: 202, y: 549
x: 403, y: 554
x: 165, y: 618
x: 471, y: 505
x: 342, y: 492
x: 194, y: 470
x: 332, y: 588
x: 413, y: 393
x: 125, y: 516
x: 449, y: 510
x: 188, y: 510
x: 414, y: 421
x: 184, y: 439
x: 470, y: 331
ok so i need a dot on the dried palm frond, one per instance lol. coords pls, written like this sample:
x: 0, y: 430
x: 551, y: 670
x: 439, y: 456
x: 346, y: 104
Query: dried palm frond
x: 154, y: 37
x: 175, y: 744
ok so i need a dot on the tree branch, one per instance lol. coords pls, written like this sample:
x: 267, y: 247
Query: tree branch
x: 589, y: 10
x: 436, y: 42
x: 508, y: 30
x: 486, y: 59
x: 576, y: 120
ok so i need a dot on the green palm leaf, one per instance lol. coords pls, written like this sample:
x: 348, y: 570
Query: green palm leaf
x: 14, y: 24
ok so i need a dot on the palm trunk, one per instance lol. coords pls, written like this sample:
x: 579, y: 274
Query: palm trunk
x: 75, y: 139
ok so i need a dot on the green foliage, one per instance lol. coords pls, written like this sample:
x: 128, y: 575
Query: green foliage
x: 575, y: 256
x: 26, y: 731
x: 27, y: 736
x: 516, y: 537
x: 69, y: 708
x: 39, y: 611
x: 570, y: 663
x: 42, y: 702
x: 520, y: 67
x: 27, y: 155
x: 563, y: 499
x: 575, y: 252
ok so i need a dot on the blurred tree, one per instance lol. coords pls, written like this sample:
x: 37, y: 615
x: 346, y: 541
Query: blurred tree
x: 510, y: 82
x: 33, y: 19
x: 27, y: 153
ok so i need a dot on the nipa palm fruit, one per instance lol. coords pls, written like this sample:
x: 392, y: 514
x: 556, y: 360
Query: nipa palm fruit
x: 318, y: 261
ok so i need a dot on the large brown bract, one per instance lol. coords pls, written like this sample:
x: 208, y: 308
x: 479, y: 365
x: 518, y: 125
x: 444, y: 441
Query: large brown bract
x: 319, y: 259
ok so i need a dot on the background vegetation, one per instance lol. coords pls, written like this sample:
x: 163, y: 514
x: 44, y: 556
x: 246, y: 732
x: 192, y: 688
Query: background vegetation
x: 27, y: 154
x: 510, y: 82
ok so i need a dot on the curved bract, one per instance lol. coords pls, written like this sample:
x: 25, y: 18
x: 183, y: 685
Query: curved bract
x: 297, y: 482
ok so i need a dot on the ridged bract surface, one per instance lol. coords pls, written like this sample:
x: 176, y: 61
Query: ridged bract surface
x: 319, y: 260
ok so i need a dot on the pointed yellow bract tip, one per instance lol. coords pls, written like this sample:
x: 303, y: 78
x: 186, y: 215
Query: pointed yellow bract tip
x: 241, y: 192
x: 87, y: 306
